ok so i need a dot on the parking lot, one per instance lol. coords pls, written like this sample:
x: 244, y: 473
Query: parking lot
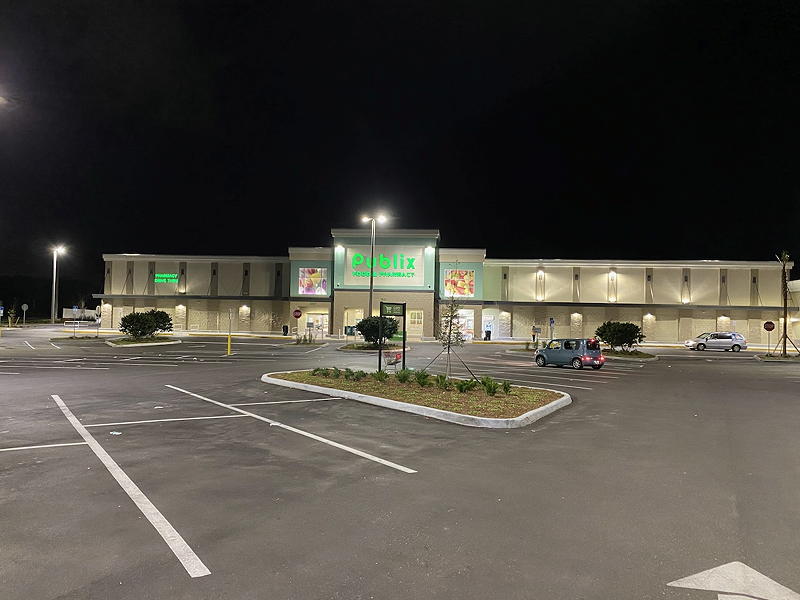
x: 173, y: 472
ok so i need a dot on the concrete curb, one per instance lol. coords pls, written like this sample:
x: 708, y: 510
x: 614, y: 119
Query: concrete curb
x: 400, y: 350
x: 760, y: 358
x: 433, y: 413
x: 113, y: 345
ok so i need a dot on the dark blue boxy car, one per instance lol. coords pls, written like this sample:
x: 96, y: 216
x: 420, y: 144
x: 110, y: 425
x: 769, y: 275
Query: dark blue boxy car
x: 576, y: 352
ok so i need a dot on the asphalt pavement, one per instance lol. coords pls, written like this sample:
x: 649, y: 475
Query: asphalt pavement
x: 243, y: 490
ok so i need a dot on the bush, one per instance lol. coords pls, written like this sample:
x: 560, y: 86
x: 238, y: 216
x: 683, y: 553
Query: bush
x: 506, y: 387
x: 349, y: 373
x: 443, y: 383
x: 423, y: 378
x: 359, y: 375
x: 614, y: 333
x: 381, y: 376
x: 490, y: 386
x: 336, y: 372
x: 369, y: 329
x: 316, y: 371
x: 145, y: 324
x: 404, y: 375
x: 325, y: 372
x: 466, y: 385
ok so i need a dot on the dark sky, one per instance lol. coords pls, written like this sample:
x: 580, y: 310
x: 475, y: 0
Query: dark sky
x: 604, y: 129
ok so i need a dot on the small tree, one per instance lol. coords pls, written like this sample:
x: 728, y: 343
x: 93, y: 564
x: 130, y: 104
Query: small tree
x: 145, y: 324
x: 374, y: 327
x: 625, y: 335
x: 451, y: 333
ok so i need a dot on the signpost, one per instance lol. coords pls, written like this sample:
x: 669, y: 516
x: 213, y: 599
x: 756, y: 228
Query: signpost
x: 230, y: 328
x: 98, y: 317
x: 297, y: 313
x: 24, y: 310
x: 769, y: 326
x: 2, y: 310
x: 392, y: 309
x: 552, y: 327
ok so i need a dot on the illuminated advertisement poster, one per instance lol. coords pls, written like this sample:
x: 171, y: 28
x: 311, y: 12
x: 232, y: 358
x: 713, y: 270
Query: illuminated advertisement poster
x: 459, y: 283
x: 312, y: 281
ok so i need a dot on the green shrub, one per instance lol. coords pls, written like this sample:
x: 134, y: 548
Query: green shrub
x: 369, y: 327
x: 465, y: 385
x: 626, y: 335
x: 381, y: 376
x: 316, y: 371
x: 326, y: 372
x: 506, y: 387
x: 349, y: 373
x: 145, y: 324
x: 422, y: 377
x: 491, y: 387
x: 404, y: 375
x: 359, y: 375
x: 336, y: 372
x: 443, y: 383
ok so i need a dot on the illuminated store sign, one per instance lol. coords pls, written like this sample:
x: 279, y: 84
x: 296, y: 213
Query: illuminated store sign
x: 394, y: 266
x: 165, y: 278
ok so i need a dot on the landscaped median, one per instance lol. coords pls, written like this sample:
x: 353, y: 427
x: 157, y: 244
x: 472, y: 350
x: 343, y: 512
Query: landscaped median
x: 488, y: 403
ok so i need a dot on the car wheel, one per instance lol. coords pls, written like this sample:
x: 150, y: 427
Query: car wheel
x: 701, y: 346
x: 595, y: 367
x: 540, y: 361
x: 576, y: 363
x: 736, y: 348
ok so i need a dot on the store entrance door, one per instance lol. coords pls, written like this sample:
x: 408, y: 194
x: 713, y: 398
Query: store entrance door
x: 317, y: 324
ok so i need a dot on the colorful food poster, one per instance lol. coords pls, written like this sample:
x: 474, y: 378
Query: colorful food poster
x: 459, y: 282
x: 312, y: 281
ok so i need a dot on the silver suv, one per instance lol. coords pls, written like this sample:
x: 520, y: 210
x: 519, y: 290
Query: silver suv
x: 718, y: 340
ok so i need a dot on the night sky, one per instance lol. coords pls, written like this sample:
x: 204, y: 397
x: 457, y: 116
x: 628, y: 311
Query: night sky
x: 606, y: 129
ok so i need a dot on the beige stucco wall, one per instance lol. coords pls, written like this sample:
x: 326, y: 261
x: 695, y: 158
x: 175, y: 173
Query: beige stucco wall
x: 198, y: 278
x: 667, y: 285
x: 705, y: 286
x: 558, y: 284
x: 630, y: 285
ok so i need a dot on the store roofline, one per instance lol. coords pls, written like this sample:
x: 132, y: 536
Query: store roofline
x: 194, y: 257
x: 560, y: 262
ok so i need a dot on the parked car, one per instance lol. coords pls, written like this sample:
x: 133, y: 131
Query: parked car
x: 718, y: 340
x: 576, y: 352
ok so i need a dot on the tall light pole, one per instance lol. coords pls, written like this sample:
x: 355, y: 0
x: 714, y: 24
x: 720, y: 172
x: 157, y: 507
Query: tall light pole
x: 380, y: 219
x: 54, y: 301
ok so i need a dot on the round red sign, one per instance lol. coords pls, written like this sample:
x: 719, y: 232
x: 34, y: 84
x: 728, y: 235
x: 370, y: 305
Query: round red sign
x: 769, y: 326
x: 297, y: 313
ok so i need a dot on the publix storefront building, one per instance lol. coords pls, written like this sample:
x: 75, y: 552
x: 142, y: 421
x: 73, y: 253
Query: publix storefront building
x: 329, y: 285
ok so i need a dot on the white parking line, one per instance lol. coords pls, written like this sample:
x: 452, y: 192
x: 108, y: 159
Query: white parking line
x: 133, y: 358
x: 315, y: 349
x: 287, y: 401
x: 8, y: 373
x: 16, y: 365
x: 42, y: 446
x: 163, y: 420
x: 29, y: 346
x: 54, y: 346
x: 300, y: 432
x: 190, y: 561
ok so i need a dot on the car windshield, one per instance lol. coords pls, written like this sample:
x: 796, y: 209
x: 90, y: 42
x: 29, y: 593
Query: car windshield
x: 592, y: 344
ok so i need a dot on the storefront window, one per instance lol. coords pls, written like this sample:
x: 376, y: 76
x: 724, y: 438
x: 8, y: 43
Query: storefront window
x: 415, y: 318
x: 459, y: 283
x: 312, y: 281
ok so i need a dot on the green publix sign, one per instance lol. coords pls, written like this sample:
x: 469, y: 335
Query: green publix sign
x: 396, y: 265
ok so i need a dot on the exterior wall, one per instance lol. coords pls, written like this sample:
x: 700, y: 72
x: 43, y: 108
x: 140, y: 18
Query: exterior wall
x: 738, y: 287
x: 344, y: 299
x: 198, y: 278
x: 558, y: 284
x: 492, y: 282
x: 230, y: 279
x: 630, y: 285
x: 667, y: 285
x: 705, y: 287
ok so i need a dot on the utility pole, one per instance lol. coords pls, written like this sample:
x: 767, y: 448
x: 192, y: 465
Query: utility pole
x: 785, y: 288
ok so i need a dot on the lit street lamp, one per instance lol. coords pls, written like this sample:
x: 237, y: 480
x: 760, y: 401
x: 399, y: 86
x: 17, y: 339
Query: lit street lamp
x: 380, y: 219
x: 56, y: 251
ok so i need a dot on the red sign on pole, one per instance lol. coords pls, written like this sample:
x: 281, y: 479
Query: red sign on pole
x: 297, y: 313
x: 769, y: 326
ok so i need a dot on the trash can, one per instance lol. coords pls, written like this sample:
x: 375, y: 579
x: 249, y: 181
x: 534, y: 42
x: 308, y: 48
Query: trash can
x: 487, y: 335
x: 285, y: 330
